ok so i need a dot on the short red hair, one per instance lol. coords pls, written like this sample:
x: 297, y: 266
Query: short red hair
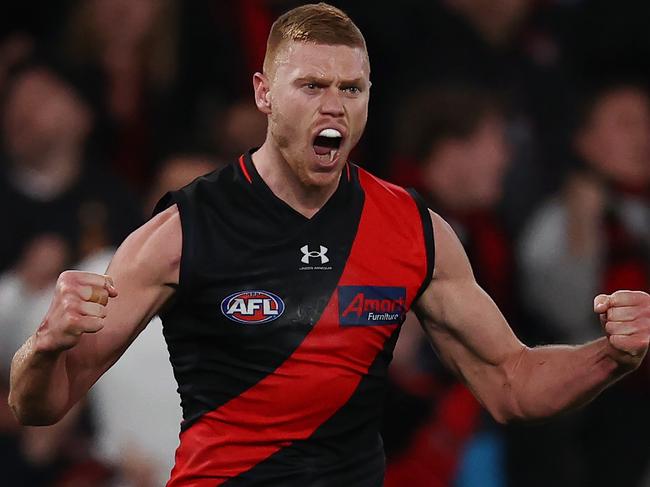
x: 318, y: 23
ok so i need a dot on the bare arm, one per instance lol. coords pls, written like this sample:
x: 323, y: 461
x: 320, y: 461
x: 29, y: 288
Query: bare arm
x: 510, y: 379
x: 92, y: 320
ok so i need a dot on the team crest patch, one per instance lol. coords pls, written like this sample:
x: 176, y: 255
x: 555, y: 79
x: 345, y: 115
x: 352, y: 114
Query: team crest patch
x: 252, y: 307
x: 371, y: 305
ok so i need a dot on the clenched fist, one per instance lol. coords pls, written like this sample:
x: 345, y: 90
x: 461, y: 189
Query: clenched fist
x: 78, y: 307
x: 625, y: 316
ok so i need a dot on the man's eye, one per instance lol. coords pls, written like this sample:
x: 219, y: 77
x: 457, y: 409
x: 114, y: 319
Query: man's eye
x: 311, y: 86
x: 353, y: 90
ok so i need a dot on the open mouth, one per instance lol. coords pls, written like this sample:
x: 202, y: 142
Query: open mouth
x: 327, y: 143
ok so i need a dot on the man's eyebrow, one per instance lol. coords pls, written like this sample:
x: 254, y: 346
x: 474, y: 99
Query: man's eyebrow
x: 322, y: 80
x: 312, y: 79
x: 354, y: 81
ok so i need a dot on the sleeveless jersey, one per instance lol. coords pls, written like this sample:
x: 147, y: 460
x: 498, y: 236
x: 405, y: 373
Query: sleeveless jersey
x: 282, y: 327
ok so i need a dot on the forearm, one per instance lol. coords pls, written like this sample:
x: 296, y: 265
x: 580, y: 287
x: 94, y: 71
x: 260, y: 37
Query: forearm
x: 545, y: 381
x: 39, y: 393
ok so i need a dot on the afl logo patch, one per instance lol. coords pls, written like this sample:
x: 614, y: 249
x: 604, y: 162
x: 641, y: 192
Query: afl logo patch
x: 252, y: 307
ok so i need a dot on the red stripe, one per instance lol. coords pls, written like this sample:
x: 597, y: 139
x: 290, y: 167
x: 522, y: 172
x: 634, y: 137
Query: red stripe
x: 347, y: 166
x: 323, y: 373
x: 242, y: 164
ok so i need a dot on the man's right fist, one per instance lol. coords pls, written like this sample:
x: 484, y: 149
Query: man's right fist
x: 78, y: 307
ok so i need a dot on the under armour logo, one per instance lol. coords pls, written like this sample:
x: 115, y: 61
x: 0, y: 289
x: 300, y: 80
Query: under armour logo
x: 314, y: 254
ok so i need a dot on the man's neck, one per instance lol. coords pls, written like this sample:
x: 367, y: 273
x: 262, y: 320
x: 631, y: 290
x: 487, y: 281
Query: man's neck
x: 286, y: 185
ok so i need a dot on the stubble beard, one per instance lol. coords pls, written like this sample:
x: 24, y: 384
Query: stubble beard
x: 294, y: 161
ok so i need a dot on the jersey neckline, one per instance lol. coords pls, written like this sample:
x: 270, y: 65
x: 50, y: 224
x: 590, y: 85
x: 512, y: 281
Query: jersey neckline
x: 251, y: 177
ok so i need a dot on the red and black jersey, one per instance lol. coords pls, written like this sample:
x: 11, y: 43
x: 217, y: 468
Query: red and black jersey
x: 282, y: 328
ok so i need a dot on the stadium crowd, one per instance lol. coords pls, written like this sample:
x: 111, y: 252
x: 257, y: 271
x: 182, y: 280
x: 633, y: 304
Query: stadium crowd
x: 524, y: 123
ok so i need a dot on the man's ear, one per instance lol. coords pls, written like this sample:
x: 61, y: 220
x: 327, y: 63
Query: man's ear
x: 261, y: 88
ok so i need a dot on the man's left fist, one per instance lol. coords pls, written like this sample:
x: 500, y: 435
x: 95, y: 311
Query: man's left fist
x: 625, y: 316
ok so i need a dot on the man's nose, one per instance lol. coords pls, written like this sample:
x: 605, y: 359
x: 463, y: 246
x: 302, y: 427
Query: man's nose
x: 331, y: 103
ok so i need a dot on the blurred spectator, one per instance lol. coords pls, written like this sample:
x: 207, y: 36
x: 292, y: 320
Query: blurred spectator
x: 48, y: 181
x: 593, y: 236
x: 506, y: 47
x: 590, y: 238
x: 229, y: 130
x: 58, y: 208
x: 55, y: 456
x: 459, y: 139
x: 242, y: 126
x: 129, y: 50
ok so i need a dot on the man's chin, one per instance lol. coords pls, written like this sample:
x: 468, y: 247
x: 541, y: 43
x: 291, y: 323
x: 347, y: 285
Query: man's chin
x: 322, y: 179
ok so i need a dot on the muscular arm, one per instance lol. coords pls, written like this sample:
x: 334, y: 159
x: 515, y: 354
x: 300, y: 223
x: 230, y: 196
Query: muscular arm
x: 511, y: 380
x: 48, y: 374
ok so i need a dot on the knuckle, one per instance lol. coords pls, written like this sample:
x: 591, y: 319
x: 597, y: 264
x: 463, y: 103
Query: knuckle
x: 71, y: 319
x: 68, y: 277
x: 68, y: 305
x: 62, y: 286
x: 65, y: 275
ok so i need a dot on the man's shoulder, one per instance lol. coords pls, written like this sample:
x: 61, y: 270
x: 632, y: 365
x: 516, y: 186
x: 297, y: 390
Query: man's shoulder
x: 157, y: 245
x: 370, y: 181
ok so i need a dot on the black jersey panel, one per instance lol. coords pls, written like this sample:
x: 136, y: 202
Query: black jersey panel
x: 429, y: 240
x: 246, y: 257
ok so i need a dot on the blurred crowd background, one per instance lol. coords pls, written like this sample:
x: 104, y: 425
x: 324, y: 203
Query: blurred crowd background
x: 524, y: 123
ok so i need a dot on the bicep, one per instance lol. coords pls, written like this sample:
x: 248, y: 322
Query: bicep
x: 463, y: 323
x: 142, y: 270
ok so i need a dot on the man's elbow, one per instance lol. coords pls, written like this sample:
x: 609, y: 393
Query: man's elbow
x: 501, y: 418
x: 31, y: 416
x: 508, y: 405
x: 506, y: 414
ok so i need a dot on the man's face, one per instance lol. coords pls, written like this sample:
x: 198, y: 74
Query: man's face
x: 316, y: 93
x: 467, y: 173
x: 42, y: 113
x: 616, y: 140
x: 487, y: 158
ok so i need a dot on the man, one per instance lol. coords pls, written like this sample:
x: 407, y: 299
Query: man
x: 53, y: 184
x: 593, y: 235
x: 282, y: 281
